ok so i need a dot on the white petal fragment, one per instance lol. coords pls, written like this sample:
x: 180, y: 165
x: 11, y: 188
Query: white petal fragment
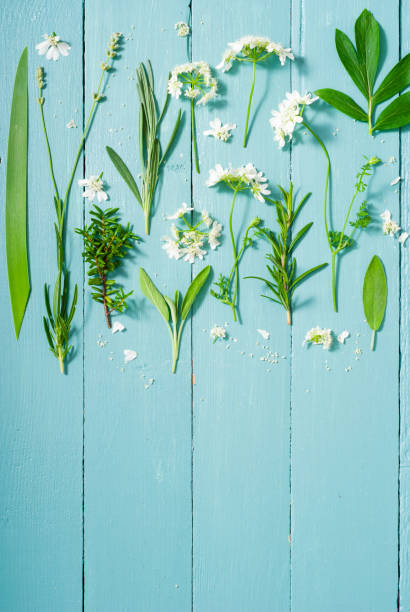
x: 129, y: 355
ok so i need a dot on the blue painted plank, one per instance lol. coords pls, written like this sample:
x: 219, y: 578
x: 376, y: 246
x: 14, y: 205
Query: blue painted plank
x: 241, y: 404
x: 41, y: 411
x: 137, y: 439
x: 344, y: 423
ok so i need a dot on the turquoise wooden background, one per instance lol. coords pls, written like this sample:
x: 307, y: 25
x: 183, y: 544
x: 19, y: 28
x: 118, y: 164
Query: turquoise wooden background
x: 226, y: 487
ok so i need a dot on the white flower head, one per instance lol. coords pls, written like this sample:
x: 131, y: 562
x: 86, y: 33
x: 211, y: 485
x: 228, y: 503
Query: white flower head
x: 253, y: 48
x: 390, y: 227
x: 318, y: 335
x: 289, y: 114
x: 182, y: 29
x: 218, y: 332
x: 244, y: 177
x: 183, y: 210
x: 188, y: 240
x: 195, y: 80
x: 52, y: 47
x: 403, y: 237
x: 93, y: 188
x: 220, y: 131
x: 342, y: 336
x: 117, y: 327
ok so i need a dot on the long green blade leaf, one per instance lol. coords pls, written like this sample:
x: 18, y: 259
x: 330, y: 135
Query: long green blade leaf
x: 174, y: 133
x: 396, y: 115
x: 343, y: 103
x: 16, y: 197
x: 302, y: 277
x: 151, y: 292
x: 299, y: 236
x: 375, y: 293
x: 366, y: 31
x: 348, y: 57
x: 397, y: 79
x: 124, y: 172
x: 193, y: 290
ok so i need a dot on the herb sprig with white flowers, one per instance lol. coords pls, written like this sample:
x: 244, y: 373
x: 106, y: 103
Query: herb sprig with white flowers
x: 244, y: 178
x: 106, y: 243
x: 57, y: 323
x: 196, y: 82
x: 253, y: 49
x: 282, y: 269
x: 151, y: 155
x: 188, y: 241
x: 177, y: 309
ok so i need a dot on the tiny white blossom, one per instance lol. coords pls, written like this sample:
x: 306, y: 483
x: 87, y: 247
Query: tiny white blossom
x: 71, y: 124
x: 214, y: 234
x: 52, y: 47
x: 290, y: 113
x: 342, y: 336
x: 196, y: 82
x: 220, y: 131
x: 390, y: 227
x: 174, y: 87
x: 403, y: 237
x: 117, y: 327
x: 250, y: 47
x: 244, y: 177
x: 206, y: 218
x: 265, y: 334
x: 395, y: 181
x: 318, y: 335
x: 194, y: 249
x: 171, y: 248
x: 129, y: 355
x: 218, y: 333
x: 182, y: 29
x: 180, y: 212
x: 94, y: 188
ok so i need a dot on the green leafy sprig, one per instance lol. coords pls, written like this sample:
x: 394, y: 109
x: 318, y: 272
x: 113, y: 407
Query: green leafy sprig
x: 106, y: 243
x: 151, y: 155
x: 177, y: 309
x: 282, y: 281
x: 362, y: 64
x: 374, y: 295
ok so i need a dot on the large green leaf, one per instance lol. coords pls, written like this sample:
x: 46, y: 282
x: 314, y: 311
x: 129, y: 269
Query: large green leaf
x: 348, y: 57
x: 375, y: 293
x: 397, y: 79
x: 124, y: 172
x: 193, y: 290
x: 16, y: 197
x: 367, y: 44
x: 396, y: 115
x: 151, y: 292
x: 343, y: 103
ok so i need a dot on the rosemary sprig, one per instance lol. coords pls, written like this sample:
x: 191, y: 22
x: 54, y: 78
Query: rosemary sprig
x: 151, y: 155
x: 106, y: 243
x: 282, y: 265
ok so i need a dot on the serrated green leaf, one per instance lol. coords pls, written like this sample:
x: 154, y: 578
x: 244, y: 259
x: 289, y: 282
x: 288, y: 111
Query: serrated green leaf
x: 124, y: 172
x: 343, y: 103
x: 151, y: 292
x: 367, y: 44
x: 375, y: 293
x: 348, y: 57
x: 193, y: 291
x: 396, y: 80
x: 16, y: 197
x: 396, y: 115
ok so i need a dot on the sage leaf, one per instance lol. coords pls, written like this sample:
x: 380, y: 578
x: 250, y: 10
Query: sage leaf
x: 348, y: 56
x: 396, y: 115
x: 367, y: 44
x: 396, y: 80
x: 374, y: 295
x: 193, y: 291
x: 151, y: 292
x: 124, y: 172
x: 16, y: 197
x: 343, y: 103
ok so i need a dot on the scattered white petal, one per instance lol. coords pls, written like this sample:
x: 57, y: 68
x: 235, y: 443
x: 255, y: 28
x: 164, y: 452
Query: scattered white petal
x: 265, y: 334
x: 71, y: 124
x: 117, y: 326
x: 342, y: 336
x: 395, y: 181
x: 129, y: 355
x: 403, y: 237
x: 149, y: 383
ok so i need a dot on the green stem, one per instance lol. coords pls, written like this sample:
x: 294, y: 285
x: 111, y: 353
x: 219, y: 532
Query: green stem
x: 369, y: 113
x: 146, y: 213
x: 372, y: 340
x: 194, y: 135
x: 50, y: 159
x: 249, y: 105
x: 334, y: 281
x: 235, y: 256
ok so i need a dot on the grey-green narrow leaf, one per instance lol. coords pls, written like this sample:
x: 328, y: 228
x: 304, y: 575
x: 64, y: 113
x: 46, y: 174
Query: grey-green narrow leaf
x: 375, y: 293
x: 16, y: 197
x: 348, y: 57
x: 397, y: 79
x: 193, y: 290
x: 343, y: 103
x: 124, y: 172
x: 396, y: 115
x: 151, y: 292
x: 367, y: 44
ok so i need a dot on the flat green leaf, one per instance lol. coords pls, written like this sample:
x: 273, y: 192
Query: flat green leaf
x: 16, y: 197
x: 397, y: 79
x: 299, y: 236
x: 348, y: 57
x: 124, y: 172
x: 193, y: 290
x: 151, y: 292
x: 302, y: 277
x: 171, y: 140
x: 375, y: 293
x: 366, y: 31
x: 343, y: 103
x: 396, y: 115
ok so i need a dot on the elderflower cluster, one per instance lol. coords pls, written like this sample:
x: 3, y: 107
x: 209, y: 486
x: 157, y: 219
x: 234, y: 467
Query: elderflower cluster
x: 220, y: 131
x: 290, y: 113
x: 240, y: 179
x: 318, y: 335
x: 188, y: 241
x: 218, y: 333
x: 182, y: 29
x: 255, y: 49
x: 194, y: 80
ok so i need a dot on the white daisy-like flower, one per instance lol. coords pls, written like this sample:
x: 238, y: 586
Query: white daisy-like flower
x: 342, y: 336
x: 71, y: 124
x: 218, y: 332
x: 52, y: 47
x: 183, y: 210
x: 390, y: 227
x: 93, y: 188
x: 214, y: 234
x: 117, y: 327
x: 290, y: 113
x: 403, y: 237
x: 220, y: 131
x: 129, y: 355
x: 318, y: 335
x: 182, y: 29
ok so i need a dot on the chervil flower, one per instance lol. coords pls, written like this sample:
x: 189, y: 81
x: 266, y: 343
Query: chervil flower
x: 390, y: 227
x: 290, y: 113
x: 183, y: 210
x: 52, y: 47
x: 182, y: 29
x: 94, y: 188
x: 220, y: 131
x: 240, y: 179
x: 317, y: 335
x: 214, y: 234
x: 217, y: 333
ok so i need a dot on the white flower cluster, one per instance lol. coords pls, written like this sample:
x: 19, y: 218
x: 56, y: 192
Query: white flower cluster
x: 253, y: 48
x: 318, y: 335
x: 93, y: 188
x: 218, y: 333
x: 193, y: 79
x: 188, y: 242
x: 182, y: 29
x: 290, y: 113
x: 220, y: 131
x: 390, y: 227
x: 52, y: 47
x: 244, y: 177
